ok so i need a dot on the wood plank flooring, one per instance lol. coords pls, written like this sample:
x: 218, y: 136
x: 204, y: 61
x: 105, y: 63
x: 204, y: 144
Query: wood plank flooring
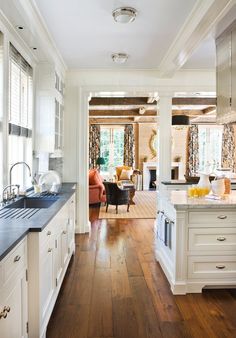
x: 114, y: 288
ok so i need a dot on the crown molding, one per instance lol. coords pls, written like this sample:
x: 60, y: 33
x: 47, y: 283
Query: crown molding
x: 12, y: 35
x: 197, y: 26
x: 39, y: 28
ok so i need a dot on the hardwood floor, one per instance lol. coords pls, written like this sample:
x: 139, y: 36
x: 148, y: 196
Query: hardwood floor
x: 115, y: 288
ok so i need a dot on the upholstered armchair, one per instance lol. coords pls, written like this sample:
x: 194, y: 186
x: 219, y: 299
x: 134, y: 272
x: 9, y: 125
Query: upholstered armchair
x: 127, y: 173
x: 116, y: 196
x: 97, y: 192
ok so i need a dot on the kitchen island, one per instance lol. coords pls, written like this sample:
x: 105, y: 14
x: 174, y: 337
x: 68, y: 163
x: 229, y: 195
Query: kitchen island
x: 196, y: 241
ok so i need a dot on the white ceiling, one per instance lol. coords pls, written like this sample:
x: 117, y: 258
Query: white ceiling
x: 86, y: 34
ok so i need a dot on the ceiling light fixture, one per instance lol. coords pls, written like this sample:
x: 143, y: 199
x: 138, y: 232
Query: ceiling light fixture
x: 124, y: 14
x: 180, y: 120
x: 119, y: 57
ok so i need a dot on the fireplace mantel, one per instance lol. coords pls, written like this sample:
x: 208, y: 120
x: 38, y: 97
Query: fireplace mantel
x: 147, y: 166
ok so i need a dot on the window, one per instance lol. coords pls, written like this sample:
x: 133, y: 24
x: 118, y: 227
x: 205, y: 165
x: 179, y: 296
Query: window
x: 112, y: 146
x: 20, y: 117
x: 210, y: 147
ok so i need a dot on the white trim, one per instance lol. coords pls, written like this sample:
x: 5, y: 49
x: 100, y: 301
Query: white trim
x: 197, y: 26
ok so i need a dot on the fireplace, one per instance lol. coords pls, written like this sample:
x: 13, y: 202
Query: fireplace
x: 177, y: 172
x: 153, y: 178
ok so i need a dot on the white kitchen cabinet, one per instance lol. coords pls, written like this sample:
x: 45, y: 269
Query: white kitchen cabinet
x: 226, y: 75
x: 49, y: 256
x: 13, y: 293
x: 203, y: 242
x: 64, y: 216
x: 71, y: 225
x: 49, y: 111
x: 47, y: 280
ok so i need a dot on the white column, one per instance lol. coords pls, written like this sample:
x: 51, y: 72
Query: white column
x: 83, y: 224
x: 164, y: 153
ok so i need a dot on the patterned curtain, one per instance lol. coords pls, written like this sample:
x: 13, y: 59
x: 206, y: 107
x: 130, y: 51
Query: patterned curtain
x: 129, y: 145
x: 94, y: 144
x: 193, y: 151
x: 228, y: 147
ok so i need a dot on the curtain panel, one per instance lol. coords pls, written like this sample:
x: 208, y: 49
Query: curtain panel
x: 94, y: 144
x: 193, y: 151
x: 129, y: 145
x: 228, y: 147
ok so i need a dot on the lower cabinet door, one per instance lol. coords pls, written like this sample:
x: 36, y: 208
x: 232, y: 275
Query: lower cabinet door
x: 47, y: 280
x: 14, y: 323
x: 64, y: 246
x: 58, y: 268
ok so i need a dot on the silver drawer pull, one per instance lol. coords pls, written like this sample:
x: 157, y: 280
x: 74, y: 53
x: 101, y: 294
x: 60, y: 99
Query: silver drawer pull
x: 4, y: 312
x: 49, y: 249
x: 220, y: 267
x: 64, y: 232
x: 221, y: 239
x: 7, y: 308
x: 49, y: 233
x: 222, y: 216
x: 17, y: 258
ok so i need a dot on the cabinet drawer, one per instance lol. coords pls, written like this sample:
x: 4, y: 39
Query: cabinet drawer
x: 210, y: 239
x: 215, y: 217
x: 15, y: 261
x: 212, y: 267
x: 47, y: 232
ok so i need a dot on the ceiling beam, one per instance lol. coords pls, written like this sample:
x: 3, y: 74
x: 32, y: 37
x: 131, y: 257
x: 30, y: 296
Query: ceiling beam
x: 133, y: 112
x: 187, y: 112
x: 126, y: 101
x: 121, y: 120
x: 105, y: 101
x: 205, y: 101
x: 209, y: 110
x: 202, y: 20
x: 118, y: 114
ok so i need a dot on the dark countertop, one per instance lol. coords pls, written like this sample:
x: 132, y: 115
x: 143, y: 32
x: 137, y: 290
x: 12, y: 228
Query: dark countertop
x: 12, y: 231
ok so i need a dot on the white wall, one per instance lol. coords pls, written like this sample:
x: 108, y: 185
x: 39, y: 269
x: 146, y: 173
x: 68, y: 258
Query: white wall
x: 81, y: 84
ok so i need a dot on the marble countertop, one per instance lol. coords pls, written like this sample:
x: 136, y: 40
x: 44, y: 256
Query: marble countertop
x: 184, y: 182
x: 180, y: 200
x: 12, y: 231
x: 176, y: 182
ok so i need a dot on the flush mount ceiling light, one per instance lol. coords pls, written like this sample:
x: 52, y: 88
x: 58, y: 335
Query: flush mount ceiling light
x: 119, y: 57
x: 124, y: 14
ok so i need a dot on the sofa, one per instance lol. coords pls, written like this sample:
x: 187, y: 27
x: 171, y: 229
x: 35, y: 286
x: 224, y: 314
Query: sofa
x: 97, y: 193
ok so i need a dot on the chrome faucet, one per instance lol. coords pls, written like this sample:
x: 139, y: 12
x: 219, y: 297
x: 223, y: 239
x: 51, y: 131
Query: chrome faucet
x: 10, y: 171
x: 11, y: 196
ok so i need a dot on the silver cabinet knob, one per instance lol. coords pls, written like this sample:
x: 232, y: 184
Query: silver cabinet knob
x: 221, y: 239
x: 220, y: 267
x: 222, y: 216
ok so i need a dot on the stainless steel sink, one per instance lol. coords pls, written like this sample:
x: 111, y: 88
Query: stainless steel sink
x: 26, y: 207
x: 32, y: 202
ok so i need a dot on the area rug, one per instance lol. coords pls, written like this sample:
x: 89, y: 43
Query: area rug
x: 145, y: 207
